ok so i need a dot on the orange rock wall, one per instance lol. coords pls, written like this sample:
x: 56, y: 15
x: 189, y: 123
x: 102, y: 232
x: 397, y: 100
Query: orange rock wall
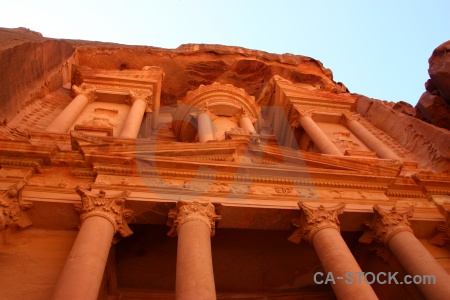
x: 29, y: 68
x: 31, y: 262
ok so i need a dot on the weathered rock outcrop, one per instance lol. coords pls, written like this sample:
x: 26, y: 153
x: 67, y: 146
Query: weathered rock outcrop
x: 434, y: 104
x: 30, y: 68
x: 191, y: 65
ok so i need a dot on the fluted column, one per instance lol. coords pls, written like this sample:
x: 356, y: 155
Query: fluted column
x: 134, y: 118
x: 316, y: 134
x: 369, y: 139
x: 12, y: 206
x: 194, y: 223
x: 101, y: 217
x: 67, y: 117
x: 320, y: 226
x: 392, y: 228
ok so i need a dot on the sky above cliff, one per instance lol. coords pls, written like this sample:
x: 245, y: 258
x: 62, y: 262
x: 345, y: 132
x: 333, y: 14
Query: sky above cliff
x: 376, y: 48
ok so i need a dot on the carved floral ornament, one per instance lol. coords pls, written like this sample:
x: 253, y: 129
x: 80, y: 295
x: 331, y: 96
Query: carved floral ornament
x: 110, y: 207
x: 83, y: 90
x: 187, y: 211
x: 314, y: 219
x: 386, y: 223
x: 143, y: 95
x: 12, y: 206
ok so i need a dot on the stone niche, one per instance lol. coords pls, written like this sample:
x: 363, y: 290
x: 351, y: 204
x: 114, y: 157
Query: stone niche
x: 215, y: 112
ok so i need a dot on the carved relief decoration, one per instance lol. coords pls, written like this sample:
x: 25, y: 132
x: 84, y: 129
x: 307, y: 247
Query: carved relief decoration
x: 110, y: 207
x: 442, y: 237
x: 215, y: 99
x: 314, y: 219
x: 145, y: 96
x: 83, y: 90
x: 386, y: 223
x: 187, y: 211
x: 12, y: 206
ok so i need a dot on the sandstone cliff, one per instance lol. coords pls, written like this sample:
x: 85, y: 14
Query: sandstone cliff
x: 434, y: 104
x: 30, y: 68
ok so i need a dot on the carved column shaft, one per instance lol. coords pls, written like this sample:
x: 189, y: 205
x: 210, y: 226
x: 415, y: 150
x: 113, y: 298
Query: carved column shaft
x: 246, y: 123
x: 101, y: 218
x: 392, y: 228
x: 134, y: 118
x: 319, y: 138
x: 83, y: 272
x: 67, y: 117
x: 320, y: 226
x: 204, y: 128
x: 370, y: 140
x: 194, y: 223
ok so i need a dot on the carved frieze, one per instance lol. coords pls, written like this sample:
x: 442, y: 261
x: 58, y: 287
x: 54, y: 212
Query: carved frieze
x: 12, y: 206
x: 187, y: 211
x: 314, y: 219
x: 111, y: 207
x: 386, y: 223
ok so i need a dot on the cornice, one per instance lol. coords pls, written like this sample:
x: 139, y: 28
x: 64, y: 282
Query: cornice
x: 35, y: 164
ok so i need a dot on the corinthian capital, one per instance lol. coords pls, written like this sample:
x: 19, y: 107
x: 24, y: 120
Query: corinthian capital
x: 12, y: 206
x: 386, y: 223
x: 145, y: 96
x: 187, y: 211
x: 352, y: 117
x: 82, y: 90
x: 110, y: 207
x: 314, y: 219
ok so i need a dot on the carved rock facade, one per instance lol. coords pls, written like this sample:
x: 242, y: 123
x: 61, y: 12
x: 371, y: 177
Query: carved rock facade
x: 236, y: 143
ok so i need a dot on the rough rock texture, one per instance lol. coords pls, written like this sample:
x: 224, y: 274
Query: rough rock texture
x: 434, y: 104
x: 30, y: 68
x: 439, y: 70
x: 191, y: 65
x: 430, y: 143
x: 434, y: 109
x: 405, y: 108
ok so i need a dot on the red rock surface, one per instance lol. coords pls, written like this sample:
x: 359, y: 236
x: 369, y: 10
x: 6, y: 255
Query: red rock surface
x: 191, y: 65
x: 434, y: 104
x: 26, y: 57
x: 28, y: 68
x: 439, y: 70
x: 434, y: 110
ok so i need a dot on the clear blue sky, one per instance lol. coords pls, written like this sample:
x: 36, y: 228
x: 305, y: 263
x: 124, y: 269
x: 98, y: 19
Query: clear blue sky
x: 376, y: 48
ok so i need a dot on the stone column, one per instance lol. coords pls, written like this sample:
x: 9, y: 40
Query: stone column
x: 316, y: 134
x: 369, y: 139
x: 392, y: 228
x: 101, y: 217
x: 245, y: 122
x: 204, y: 127
x: 320, y: 226
x: 67, y: 117
x: 133, y: 122
x: 194, y: 222
x: 12, y: 206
